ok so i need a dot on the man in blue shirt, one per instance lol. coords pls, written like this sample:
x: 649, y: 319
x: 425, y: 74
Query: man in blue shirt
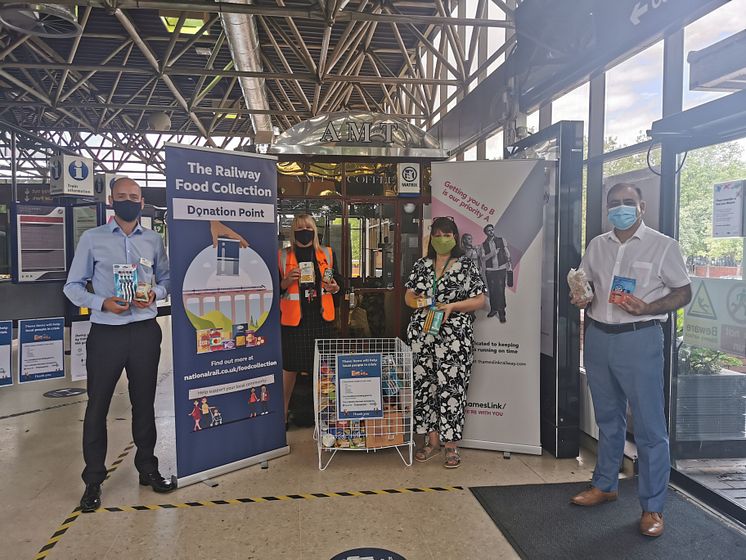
x: 124, y: 334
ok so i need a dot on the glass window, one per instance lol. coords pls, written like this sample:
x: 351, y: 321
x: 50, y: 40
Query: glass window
x: 532, y: 122
x: 471, y: 153
x: 370, y: 179
x: 715, y: 26
x: 309, y: 178
x: 371, y: 262
x: 573, y: 106
x: 494, y: 146
x: 5, y: 237
x: 634, y: 96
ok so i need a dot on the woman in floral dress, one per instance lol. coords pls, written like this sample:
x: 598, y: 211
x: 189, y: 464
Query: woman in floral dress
x: 445, y: 280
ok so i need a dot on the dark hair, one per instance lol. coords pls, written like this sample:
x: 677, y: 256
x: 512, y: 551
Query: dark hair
x: 484, y: 229
x: 620, y: 186
x: 444, y: 225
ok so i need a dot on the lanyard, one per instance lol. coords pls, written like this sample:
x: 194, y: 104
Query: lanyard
x: 436, y: 279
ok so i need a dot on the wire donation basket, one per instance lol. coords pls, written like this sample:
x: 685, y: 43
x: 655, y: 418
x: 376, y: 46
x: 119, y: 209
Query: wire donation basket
x: 363, y: 417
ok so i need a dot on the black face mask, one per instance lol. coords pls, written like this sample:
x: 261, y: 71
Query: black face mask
x: 127, y: 210
x: 304, y: 236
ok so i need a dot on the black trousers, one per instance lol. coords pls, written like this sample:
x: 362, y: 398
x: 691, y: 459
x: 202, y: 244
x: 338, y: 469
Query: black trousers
x: 135, y: 347
x: 496, y: 288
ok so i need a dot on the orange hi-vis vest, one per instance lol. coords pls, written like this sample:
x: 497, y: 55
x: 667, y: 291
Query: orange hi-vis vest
x: 290, y: 312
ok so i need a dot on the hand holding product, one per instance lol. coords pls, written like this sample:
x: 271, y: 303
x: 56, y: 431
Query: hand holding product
x: 580, y: 288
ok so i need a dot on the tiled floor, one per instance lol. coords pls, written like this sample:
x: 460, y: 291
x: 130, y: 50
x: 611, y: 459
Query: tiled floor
x: 40, y: 485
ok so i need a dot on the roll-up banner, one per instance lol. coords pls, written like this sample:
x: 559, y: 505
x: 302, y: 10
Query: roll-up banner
x: 6, y: 345
x: 498, y: 208
x: 222, y: 227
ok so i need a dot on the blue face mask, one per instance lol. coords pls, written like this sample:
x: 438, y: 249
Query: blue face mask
x: 623, y: 217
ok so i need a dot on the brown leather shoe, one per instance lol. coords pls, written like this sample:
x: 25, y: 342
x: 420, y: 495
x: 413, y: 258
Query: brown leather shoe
x: 651, y: 524
x: 592, y: 497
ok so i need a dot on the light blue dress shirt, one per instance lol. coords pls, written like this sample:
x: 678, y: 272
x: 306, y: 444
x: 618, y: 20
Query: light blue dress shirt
x: 98, y: 250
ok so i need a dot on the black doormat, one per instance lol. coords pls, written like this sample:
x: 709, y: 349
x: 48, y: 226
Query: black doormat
x: 539, y: 521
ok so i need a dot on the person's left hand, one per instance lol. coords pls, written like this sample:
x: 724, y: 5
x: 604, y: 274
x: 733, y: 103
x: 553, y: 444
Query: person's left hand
x: 634, y: 305
x: 332, y: 287
x: 219, y: 229
x: 145, y: 304
x: 447, y: 309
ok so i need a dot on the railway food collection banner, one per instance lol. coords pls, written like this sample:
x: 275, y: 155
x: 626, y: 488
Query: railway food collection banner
x: 225, y: 310
x: 498, y: 208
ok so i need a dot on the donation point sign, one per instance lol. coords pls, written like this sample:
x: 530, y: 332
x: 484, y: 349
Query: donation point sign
x: 225, y: 310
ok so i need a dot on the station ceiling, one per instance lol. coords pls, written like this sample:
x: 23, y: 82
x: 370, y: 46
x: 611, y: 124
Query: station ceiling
x: 317, y: 56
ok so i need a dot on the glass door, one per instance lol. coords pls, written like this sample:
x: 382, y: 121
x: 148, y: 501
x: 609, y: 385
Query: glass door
x: 708, y: 388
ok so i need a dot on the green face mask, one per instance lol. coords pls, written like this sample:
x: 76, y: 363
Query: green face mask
x: 443, y: 245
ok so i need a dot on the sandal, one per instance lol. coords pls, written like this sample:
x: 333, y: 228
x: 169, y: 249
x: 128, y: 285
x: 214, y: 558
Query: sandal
x: 453, y: 458
x: 426, y: 453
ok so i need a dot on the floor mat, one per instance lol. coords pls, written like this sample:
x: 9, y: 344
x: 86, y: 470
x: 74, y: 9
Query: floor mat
x: 540, y: 523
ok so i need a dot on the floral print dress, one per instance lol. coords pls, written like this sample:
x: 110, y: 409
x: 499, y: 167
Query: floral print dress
x: 442, y: 362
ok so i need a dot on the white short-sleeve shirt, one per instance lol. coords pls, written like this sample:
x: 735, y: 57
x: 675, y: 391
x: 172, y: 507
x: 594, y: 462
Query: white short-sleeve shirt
x: 652, y: 259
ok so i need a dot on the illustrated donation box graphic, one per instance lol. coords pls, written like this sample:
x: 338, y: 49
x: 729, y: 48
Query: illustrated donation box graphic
x: 225, y: 311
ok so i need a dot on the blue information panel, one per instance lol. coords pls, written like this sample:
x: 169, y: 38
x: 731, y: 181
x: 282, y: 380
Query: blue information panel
x: 359, y: 388
x: 225, y: 309
x: 6, y: 340
x: 41, y: 353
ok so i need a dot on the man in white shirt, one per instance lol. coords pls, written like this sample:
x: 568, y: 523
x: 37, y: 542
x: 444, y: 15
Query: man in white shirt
x: 638, y: 276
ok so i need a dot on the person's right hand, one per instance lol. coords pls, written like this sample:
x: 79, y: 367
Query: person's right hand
x: 293, y: 276
x: 580, y: 303
x: 115, y: 305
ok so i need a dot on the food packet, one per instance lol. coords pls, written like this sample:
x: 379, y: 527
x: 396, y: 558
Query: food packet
x: 579, y: 285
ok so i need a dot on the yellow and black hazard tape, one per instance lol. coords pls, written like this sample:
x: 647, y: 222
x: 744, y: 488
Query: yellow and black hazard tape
x: 285, y: 498
x: 73, y: 517
x: 119, y: 459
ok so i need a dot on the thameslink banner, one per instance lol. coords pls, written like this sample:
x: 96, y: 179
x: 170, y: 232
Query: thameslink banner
x: 496, y: 204
x: 225, y: 310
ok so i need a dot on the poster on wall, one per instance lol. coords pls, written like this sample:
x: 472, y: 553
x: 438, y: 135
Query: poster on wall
x: 224, y: 310
x: 78, y: 337
x: 40, y: 242
x: 6, y: 342
x: 728, y: 218
x: 41, y: 354
x: 84, y: 218
x: 499, y: 206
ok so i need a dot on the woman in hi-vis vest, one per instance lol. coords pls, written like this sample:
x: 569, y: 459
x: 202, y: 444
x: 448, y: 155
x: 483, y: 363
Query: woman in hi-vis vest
x: 309, y: 278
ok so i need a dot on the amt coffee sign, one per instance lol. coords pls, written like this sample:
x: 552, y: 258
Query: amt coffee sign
x: 71, y: 176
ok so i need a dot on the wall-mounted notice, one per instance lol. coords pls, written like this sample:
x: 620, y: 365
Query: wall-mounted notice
x: 84, y: 218
x: 40, y: 349
x: 728, y: 209
x: 359, y: 394
x: 6, y: 340
x: 78, y: 337
x: 40, y: 232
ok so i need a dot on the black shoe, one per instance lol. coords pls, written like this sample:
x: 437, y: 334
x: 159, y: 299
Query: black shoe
x: 157, y: 482
x: 491, y: 313
x: 91, y: 499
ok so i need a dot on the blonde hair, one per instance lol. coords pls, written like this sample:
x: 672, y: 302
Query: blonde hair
x: 302, y: 220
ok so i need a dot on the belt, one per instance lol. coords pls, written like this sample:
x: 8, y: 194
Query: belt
x: 624, y: 327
